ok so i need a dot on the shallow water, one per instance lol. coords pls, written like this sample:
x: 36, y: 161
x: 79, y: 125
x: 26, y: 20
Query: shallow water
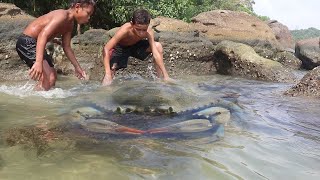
x: 276, y: 137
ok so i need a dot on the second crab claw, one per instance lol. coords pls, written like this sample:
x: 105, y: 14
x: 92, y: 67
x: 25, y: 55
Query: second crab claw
x: 193, y: 125
x: 105, y: 126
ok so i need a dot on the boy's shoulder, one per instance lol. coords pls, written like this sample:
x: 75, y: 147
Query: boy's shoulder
x: 59, y: 13
x: 125, y: 28
x: 126, y: 25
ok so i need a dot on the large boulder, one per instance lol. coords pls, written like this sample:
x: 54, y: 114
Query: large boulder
x: 238, y: 59
x: 308, y: 52
x: 219, y: 25
x: 163, y: 24
x: 12, y: 23
x: 308, y: 86
x: 187, y: 54
x: 282, y: 33
x: 288, y: 59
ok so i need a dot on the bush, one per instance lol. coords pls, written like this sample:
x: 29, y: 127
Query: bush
x: 112, y: 13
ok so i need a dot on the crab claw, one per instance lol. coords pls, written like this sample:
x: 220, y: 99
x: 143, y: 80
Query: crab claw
x: 128, y: 130
x: 192, y: 125
x: 158, y: 130
x: 105, y: 126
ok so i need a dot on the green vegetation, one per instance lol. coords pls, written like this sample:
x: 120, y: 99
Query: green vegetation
x: 263, y: 18
x: 305, y: 34
x: 111, y: 13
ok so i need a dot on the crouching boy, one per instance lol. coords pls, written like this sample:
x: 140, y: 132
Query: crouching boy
x: 134, y: 39
x: 31, y: 44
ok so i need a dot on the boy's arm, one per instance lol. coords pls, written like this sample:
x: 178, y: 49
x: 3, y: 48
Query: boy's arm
x: 66, y: 39
x: 156, y: 55
x: 106, y: 56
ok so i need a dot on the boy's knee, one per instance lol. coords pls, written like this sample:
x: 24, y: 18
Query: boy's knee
x: 52, y: 79
x: 45, y: 85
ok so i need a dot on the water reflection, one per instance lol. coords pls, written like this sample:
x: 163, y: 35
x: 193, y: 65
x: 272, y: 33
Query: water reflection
x: 273, y: 137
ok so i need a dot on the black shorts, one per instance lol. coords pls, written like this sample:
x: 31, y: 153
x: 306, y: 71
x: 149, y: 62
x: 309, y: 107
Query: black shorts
x: 26, y: 48
x: 121, y: 54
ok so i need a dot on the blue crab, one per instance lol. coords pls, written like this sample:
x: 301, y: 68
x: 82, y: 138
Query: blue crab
x: 148, y: 110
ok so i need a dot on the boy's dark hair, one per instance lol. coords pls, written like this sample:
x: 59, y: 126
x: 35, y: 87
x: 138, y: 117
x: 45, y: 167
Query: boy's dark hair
x: 141, y: 16
x: 82, y: 2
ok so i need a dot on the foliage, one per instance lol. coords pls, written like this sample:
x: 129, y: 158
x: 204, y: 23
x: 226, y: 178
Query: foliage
x: 38, y: 7
x: 305, y: 33
x: 263, y: 18
x: 111, y: 13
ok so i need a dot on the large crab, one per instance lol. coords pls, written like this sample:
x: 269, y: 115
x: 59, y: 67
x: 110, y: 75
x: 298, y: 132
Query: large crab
x: 152, y: 110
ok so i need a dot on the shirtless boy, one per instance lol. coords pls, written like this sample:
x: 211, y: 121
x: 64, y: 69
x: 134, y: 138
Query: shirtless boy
x: 31, y: 44
x: 134, y: 39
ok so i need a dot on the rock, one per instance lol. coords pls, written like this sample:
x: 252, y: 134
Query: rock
x: 190, y: 54
x: 163, y: 24
x: 92, y: 37
x: 288, y: 59
x: 222, y: 25
x: 238, y: 59
x: 308, y: 86
x: 88, y: 50
x: 308, y: 52
x: 12, y: 11
x: 61, y: 62
x: 282, y: 33
x: 12, y: 23
x: 219, y: 25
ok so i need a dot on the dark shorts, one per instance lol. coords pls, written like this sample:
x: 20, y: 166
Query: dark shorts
x: 26, y: 48
x: 120, y: 54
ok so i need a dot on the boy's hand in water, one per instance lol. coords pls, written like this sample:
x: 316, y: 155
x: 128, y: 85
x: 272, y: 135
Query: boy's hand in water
x: 81, y: 74
x: 107, y: 80
x: 36, y: 71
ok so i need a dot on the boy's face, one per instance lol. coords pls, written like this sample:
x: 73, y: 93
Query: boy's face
x: 83, y: 13
x: 140, y: 29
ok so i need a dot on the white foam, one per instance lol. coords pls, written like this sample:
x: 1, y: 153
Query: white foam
x: 151, y: 71
x: 26, y: 90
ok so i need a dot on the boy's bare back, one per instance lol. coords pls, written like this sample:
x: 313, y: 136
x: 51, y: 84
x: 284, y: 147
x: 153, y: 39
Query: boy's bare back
x: 56, y: 23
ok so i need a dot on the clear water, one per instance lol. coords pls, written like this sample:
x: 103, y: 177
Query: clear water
x: 277, y: 137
